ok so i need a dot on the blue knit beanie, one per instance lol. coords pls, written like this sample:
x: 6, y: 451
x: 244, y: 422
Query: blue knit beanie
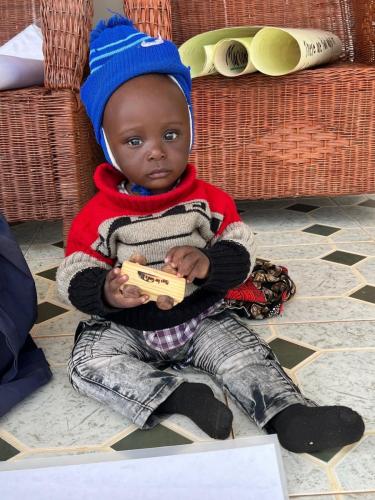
x: 119, y: 52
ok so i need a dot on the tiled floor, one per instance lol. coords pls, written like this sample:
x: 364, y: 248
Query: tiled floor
x: 325, y: 340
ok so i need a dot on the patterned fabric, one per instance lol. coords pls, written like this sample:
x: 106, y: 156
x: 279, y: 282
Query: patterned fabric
x: 138, y: 190
x: 112, y: 227
x: 170, y: 338
x: 261, y: 296
x: 134, y: 189
x: 264, y: 292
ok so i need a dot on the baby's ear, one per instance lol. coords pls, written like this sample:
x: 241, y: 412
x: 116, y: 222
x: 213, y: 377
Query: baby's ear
x: 137, y: 258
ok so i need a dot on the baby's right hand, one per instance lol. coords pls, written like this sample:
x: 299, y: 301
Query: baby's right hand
x: 118, y: 294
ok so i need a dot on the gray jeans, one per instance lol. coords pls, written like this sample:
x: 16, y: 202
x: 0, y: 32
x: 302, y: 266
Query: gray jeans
x: 114, y: 365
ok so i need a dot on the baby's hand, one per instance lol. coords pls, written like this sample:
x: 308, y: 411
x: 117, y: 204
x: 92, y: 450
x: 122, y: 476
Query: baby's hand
x: 167, y: 268
x: 188, y: 262
x: 165, y: 302
x: 138, y: 258
x: 118, y: 294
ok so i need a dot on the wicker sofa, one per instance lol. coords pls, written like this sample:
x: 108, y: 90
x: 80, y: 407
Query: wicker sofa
x: 310, y: 133
x: 47, y: 148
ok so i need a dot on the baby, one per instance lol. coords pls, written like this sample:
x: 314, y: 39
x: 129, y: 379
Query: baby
x: 151, y: 208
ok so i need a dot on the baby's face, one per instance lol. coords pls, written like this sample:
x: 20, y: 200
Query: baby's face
x: 146, y: 122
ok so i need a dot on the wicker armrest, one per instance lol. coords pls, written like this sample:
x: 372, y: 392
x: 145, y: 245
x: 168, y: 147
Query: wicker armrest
x: 153, y: 17
x: 66, y: 26
x: 364, y: 17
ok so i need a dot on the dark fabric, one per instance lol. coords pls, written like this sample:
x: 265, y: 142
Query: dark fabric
x: 23, y: 367
x: 198, y: 402
x: 229, y: 265
x: 85, y: 293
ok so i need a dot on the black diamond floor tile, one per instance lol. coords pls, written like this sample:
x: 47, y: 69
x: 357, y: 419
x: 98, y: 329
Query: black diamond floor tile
x: 367, y: 203
x: 321, y: 230
x: 153, y: 438
x: 326, y: 455
x: 288, y: 353
x: 347, y: 258
x: 366, y: 293
x: 49, y: 274
x: 46, y: 310
x: 7, y: 451
x: 300, y: 207
x: 59, y: 244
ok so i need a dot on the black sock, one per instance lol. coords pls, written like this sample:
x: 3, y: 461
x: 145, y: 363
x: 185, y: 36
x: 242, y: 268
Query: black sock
x: 197, y: 401
x: 304, y: 429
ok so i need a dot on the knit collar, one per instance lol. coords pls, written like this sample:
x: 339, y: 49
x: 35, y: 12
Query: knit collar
x: 107, y: 180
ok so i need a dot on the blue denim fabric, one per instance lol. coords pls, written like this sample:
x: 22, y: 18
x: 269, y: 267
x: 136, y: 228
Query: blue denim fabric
x: 114, y: 365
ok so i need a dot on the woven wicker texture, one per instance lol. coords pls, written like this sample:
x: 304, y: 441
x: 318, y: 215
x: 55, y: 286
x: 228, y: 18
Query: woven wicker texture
x: 15, y: 16
x: 66, y: 28
x: 153, y: 17
x: 364, y: 15
x: 310, y: 133
x: 47, y: 148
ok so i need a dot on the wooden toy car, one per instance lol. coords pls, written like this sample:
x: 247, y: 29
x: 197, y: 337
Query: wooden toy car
x: 154, y: 282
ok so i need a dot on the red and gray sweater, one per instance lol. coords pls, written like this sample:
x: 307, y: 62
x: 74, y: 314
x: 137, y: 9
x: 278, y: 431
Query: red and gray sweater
x: 113, y: 226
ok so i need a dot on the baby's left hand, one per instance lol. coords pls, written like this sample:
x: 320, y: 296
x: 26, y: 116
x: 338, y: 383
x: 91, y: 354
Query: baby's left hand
x: 189, y: 262
x: 165, y: 302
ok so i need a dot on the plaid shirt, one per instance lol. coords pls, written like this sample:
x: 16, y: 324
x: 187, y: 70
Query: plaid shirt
x: 170, y: 338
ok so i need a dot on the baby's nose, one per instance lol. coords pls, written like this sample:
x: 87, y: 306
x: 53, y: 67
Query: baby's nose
x: 156, y: 152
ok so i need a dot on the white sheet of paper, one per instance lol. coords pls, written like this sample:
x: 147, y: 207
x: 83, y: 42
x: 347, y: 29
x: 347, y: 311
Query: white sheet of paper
x: 251, y: 473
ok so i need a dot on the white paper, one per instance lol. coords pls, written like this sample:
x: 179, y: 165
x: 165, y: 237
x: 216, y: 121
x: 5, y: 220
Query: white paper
x: 27, y: 44
x: 251, y: 473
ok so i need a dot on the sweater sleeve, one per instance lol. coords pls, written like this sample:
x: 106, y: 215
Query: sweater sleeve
x: 81, y: 275
x: 231, y: 252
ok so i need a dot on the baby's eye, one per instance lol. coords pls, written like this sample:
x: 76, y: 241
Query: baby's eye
x: 134, y: 141
x: 170, y: 136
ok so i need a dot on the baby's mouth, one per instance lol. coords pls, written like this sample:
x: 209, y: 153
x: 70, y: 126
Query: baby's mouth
x: 158, y: 173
